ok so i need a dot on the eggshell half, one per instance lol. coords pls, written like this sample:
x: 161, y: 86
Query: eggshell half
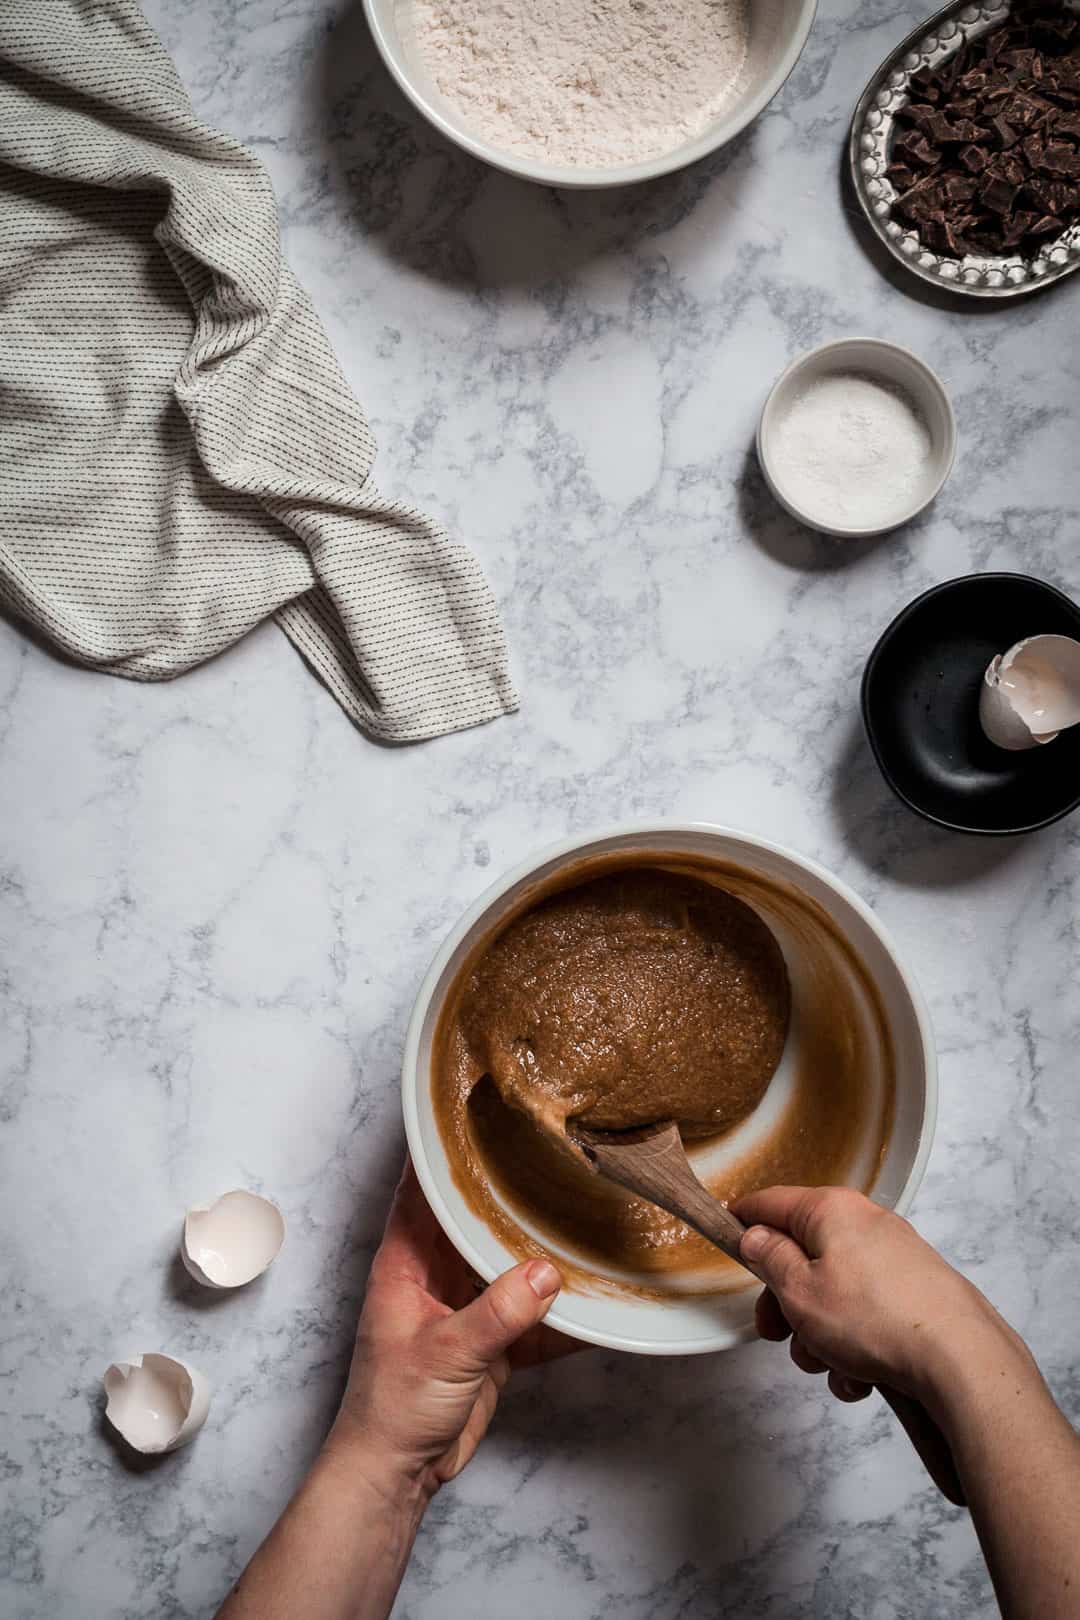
x: 997, y: 716
x: 232, y: 1241
x: 1032, y: 692
x: 156, y: 1402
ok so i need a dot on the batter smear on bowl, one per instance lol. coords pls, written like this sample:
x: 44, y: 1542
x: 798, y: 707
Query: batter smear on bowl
x: 590, y: 85
x: 628, y: 990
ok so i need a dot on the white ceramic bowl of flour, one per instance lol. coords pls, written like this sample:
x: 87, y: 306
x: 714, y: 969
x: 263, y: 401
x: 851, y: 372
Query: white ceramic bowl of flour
x: 856, y: 437
x: 627, y: 109
x: 829, y: 924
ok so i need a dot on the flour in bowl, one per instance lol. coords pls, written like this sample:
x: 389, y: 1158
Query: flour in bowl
x: 584, y: 83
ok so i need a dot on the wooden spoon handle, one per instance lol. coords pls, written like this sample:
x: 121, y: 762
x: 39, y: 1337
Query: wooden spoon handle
x: 657, y: 1168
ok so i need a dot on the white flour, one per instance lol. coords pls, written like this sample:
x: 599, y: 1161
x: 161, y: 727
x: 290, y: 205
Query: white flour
x: 851, y: 450
x: 584, y: 82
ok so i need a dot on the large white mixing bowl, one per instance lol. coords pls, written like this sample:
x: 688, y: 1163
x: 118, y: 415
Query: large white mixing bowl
x: 778, y: 31
x: 682, y: 1323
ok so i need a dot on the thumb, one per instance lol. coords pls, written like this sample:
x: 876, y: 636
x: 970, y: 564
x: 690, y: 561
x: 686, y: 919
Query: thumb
x: 775, y: 1258
x: 515, y: 1302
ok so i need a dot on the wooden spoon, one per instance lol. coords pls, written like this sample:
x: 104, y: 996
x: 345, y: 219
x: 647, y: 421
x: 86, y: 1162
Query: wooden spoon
x: 652, y: 1163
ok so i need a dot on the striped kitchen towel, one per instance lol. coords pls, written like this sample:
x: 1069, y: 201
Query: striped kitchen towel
x: 180, y: 456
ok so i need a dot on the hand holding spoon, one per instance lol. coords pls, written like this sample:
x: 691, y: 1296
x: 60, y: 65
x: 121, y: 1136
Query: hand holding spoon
x: 652, y: 1162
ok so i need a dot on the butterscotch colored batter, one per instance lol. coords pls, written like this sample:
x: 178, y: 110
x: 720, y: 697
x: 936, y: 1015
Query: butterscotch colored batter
x: 642, y: 995
x: 633, y: 988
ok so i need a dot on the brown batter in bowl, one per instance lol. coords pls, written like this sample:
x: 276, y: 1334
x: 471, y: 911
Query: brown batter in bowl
x: 636, y: 996
x: 560, y: 1012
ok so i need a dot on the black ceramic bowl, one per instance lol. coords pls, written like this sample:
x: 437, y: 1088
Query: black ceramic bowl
x: 920, y: 703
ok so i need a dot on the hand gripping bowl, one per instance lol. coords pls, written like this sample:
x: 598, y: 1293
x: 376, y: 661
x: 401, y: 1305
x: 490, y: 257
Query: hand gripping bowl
x: 778, y: 32
x: 835, y: 924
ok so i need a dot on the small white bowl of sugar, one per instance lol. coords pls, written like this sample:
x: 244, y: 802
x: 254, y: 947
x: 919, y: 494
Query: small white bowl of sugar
x: 856, y: 437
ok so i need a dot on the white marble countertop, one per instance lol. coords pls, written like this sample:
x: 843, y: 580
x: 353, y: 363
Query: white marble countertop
x: 217, y: 899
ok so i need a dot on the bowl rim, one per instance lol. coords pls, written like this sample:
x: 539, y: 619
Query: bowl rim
x: 856, y: 531
x: 895, y: 624
x: 594, y: 179
x: 580, y: 844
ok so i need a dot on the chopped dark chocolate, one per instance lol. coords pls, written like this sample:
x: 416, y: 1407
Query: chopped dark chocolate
x: 1058, y: 158
x: 915, y: 146
x: 959, y: 188
x: 975, y: 158
x: 998, y: 196
x: 1034, y: 147
x: 1018, y: 227
x: 986, y: 154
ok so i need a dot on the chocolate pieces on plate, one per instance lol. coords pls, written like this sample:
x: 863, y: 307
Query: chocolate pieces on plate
x: 985, y: 158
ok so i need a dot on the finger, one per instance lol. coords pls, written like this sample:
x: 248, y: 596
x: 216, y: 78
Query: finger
x: 804, y: 1360
x: 476, y: 1426
x: 515, y: 1302
x: 776, y: 1259
x: 769, y: 1206
x: 499, y: 1373
x: 795, y: 1210
x: 771, y: 1321
x: 541, y: 1344
x: 411, y: 1233
x: 848, y: 1389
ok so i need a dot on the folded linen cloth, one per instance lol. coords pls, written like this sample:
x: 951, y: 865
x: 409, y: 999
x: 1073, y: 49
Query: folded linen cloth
x: 180, y: 456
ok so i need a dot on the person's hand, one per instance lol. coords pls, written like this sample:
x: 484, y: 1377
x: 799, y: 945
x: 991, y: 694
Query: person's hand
x: 432, y: 1355
x: 862, y: 1295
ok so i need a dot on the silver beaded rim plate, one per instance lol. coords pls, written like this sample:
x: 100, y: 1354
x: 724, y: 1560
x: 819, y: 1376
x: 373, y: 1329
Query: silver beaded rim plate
x: 932, y: 43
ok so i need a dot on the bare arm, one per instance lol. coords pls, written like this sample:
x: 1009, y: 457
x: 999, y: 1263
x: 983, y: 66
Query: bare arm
x: 1020, y: 1463
x: 430, y: 1360
x: 866, y: 1300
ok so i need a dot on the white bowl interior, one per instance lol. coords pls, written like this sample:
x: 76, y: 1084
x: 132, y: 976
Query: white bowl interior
x: 885, y: 363
x: 686, y: 1322
x: 778, y: 30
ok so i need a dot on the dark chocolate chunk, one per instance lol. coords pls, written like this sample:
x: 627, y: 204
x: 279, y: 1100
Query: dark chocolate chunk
x: 1005, y: 133
x: 914, y: 144
x: 925, y: 81
x: 1012, y: 168
x: 959, y: 188
x: 1058, y: 158
x: 1018, y: 227
x: 975, y: 158
x: 998, y: 195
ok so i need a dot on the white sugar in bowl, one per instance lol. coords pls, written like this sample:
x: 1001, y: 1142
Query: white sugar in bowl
x: 856, y: 437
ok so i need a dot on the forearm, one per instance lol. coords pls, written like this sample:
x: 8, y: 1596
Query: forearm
x: 338, y: 1552
x: 1019, y: 1460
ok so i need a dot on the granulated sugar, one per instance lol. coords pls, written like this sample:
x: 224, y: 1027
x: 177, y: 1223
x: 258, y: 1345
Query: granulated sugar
x: 590, y: 83
x: 851, y: 451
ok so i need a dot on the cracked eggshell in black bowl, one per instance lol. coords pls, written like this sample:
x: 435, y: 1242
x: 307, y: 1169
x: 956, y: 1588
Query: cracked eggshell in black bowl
x: 920, y: 704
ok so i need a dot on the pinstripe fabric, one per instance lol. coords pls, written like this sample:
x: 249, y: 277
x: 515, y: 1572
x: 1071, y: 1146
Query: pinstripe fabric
x: 180, y: 456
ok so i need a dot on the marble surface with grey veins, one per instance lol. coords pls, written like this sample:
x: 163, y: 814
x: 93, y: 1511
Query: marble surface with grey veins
x: 217, y: 899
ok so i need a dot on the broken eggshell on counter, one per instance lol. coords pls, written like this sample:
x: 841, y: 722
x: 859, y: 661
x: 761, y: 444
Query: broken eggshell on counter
x: 1032, y: 692
x: 232, y: 1241
x: 155, y: 1402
